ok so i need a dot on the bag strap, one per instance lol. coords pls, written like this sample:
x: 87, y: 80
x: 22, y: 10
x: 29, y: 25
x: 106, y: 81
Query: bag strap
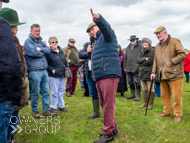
x: 60, y: 61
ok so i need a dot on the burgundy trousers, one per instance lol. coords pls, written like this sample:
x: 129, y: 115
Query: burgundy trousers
x: 73, y: 79
x: 107, y: 89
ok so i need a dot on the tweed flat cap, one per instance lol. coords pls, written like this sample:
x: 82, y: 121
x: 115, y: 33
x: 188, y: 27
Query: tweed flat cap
x: 72, y: 40
x: 159, y: 29
x: 90, y: 26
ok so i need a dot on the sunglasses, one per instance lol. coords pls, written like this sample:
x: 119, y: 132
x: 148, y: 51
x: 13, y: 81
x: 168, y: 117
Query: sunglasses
x: 54, y: 42
x: 133, y: 40
x: 72, y: 42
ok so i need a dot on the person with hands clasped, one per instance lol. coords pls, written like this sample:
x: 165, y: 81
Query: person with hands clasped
x: 37, y: 65
x: 106, y: 71
x: 145, y: 61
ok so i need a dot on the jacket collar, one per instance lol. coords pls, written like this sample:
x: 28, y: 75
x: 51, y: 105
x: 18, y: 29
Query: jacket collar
x: 145, y: 50
x: 59, y: 48
x: 31, y: 37
x: 167, y: 40
x: 71, y: 46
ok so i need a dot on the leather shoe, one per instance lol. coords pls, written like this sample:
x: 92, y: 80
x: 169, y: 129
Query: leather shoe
x: 105, y: 139
x: 115, y: 133
x: 72, y: 93
x: 163, y: 115
x: 68, y: 94
x: 177, y: 118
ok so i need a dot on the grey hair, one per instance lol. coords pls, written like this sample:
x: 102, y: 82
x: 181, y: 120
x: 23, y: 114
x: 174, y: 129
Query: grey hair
x: 34, y: 25
x: 51, y: 38
x: 164, y: 31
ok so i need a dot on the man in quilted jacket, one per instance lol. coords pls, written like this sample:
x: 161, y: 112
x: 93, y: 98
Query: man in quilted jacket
x: 106, y: 71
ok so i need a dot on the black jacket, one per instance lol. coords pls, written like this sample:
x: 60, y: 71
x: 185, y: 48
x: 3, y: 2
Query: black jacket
x: 84, y: 55
x: 10, y: 66
x: 55, y: 63
x: 145, y: 67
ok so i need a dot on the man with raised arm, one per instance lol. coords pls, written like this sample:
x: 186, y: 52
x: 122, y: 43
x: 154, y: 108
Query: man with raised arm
x: 106, y: 71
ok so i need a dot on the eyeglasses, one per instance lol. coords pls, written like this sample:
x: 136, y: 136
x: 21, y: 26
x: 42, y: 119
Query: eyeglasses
x: 72, y: 42
x: 132, y: 40
x: 54, y: 42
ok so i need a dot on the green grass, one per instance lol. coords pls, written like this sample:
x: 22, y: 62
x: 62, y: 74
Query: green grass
x: 73, y: 126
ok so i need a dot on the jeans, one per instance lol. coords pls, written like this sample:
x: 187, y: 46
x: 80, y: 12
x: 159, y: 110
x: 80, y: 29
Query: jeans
x: 13, y: 122
x: 39, y: 82
x: 57, y: 90
x: 92, y: 86
x: 6, y: 111
x: 187, y: 76
x: 157, y: 89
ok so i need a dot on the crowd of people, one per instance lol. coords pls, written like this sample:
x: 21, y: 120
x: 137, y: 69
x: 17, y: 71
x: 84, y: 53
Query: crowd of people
x: 104, y: 68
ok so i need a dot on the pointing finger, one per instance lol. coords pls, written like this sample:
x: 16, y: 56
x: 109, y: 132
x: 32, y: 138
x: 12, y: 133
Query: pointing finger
x: 91, y: 12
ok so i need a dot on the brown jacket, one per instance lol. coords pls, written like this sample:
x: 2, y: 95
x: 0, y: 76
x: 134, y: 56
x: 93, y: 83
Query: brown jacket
x: 24, y: 99
x: 168, y: 60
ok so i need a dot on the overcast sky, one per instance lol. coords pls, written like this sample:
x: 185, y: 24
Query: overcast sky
x: 69, y: 18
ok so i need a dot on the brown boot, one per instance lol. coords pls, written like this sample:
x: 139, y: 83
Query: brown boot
x: 145, y: 99
x: 105, y: 139
x: 49, y: 113
x: 177, y: 118
x: 151, y: 101
x: 36, y: 114
x: 82, y: 88
x: 68, y: 94
x: 163, y: 115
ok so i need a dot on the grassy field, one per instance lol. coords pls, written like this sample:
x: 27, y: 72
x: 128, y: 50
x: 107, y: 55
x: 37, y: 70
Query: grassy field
x: 73, y: 126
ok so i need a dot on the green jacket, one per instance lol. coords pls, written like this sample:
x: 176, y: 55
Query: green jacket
x: 70, y: 61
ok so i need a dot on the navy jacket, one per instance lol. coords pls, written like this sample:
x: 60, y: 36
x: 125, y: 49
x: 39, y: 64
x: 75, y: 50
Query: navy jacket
x: 35, y: 60
x: 105, y: 58
x: 55, y: 63
x: 84, y: 55
x: 6, y: 1
x: 10, y: 66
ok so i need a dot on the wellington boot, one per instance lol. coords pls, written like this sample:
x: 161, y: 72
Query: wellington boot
x: 150, y: 105
x: 145, y: 99
x: 132, y: 94
x: 138, y: 98
x: 96, y: 107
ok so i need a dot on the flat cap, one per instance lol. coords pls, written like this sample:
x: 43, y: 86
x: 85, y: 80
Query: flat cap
x: 147, y: 40
x: 90, y: 26
x: 159, y: 29
x: 72, y: 40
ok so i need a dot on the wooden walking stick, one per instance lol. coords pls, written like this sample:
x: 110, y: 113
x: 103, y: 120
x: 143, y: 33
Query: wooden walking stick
x: 149, y: 96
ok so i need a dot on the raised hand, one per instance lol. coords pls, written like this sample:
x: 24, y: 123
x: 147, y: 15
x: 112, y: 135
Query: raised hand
x: 94, y: 15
